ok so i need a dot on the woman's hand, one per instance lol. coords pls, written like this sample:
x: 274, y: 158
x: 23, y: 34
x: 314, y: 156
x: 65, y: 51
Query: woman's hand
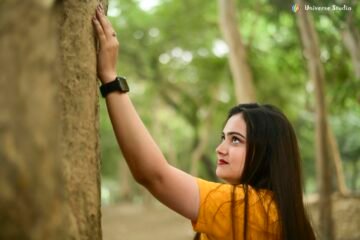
x: 108, y: 46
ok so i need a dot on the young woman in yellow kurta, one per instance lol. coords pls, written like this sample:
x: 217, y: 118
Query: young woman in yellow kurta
x: 257, y: 158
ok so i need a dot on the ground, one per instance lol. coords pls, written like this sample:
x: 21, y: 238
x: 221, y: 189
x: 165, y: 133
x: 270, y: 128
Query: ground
x: 346, y: 216
x: 136, y: 222
x: 140, y: 223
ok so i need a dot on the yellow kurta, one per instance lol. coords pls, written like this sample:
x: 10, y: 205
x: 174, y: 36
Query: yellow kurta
x: 214, y: 220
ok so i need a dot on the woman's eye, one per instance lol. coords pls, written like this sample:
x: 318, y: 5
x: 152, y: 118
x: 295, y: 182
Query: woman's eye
x: 222, y: 138
x: 235, y: 140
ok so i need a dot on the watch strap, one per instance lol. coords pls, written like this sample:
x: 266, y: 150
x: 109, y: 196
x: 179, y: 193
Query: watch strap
x: 118, y: 84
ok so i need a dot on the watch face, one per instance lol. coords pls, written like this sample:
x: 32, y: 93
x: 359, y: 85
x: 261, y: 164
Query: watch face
x: 123, y: 84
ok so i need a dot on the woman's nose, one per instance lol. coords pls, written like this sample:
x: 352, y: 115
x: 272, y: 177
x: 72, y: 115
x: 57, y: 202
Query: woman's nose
x: 221, y: 149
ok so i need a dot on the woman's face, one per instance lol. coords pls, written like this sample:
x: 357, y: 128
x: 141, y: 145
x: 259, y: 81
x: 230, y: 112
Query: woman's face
x: 231, y: 151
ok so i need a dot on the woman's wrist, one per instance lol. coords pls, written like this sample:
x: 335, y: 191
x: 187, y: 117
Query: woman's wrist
x: 108, y: 78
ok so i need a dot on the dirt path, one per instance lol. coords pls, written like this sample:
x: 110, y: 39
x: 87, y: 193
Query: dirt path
x: 134, y: 222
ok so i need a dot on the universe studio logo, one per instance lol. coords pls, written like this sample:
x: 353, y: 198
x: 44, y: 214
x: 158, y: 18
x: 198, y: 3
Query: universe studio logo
x: 327, y: 8
x: 295, y: 8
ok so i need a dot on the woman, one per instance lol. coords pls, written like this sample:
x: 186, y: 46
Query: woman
x: 258, y: 158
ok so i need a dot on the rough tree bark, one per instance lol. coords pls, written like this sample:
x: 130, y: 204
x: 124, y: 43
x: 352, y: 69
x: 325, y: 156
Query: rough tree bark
x: 50, y: 182
x: 316, y: 72
x: 32, y: 199
x: 241, y: 71
x: 78, y: 94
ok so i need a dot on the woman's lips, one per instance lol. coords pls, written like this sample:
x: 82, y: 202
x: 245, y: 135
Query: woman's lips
x: 222, y: 162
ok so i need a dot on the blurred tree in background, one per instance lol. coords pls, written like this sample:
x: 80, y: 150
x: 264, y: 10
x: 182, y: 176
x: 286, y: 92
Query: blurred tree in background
x: 176, y: 60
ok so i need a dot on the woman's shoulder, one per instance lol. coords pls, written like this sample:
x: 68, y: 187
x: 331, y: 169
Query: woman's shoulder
x: 224, y: 192
x: 238, y: 190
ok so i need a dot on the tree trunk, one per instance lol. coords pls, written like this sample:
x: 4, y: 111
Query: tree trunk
x: 203, y: 136
x: 32, y: 199
x: 241, y: 71
x: 355, y: 174
x: 351, y: 39
x: 209, y: 167
x: 200, y: 146
x: 37, y: 200
x: 316, y: 72
x: 79, y: 115
x: 336, y: 159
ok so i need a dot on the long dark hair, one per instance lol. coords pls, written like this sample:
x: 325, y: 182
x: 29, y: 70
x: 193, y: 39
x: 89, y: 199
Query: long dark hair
x: 273, y: 162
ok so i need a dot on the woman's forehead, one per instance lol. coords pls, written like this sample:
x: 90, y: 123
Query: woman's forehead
x: 236, y: 123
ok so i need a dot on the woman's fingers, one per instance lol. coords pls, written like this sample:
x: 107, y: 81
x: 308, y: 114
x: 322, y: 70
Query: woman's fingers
x: 99, y: 30
x: 103, y: 27
x: 109, y: 46
x: 106, y: 26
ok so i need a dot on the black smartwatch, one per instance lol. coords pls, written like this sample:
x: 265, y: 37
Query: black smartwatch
x: 119, y: 84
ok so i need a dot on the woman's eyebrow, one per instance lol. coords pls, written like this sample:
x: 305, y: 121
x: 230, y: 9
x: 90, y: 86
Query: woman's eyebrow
x: 235, y: 133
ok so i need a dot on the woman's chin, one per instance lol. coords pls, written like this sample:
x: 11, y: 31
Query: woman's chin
x: 221, y: 175
x: 218, y: 173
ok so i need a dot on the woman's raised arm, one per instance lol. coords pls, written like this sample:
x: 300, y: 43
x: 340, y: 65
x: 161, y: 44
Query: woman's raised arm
x: 174, y: 188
